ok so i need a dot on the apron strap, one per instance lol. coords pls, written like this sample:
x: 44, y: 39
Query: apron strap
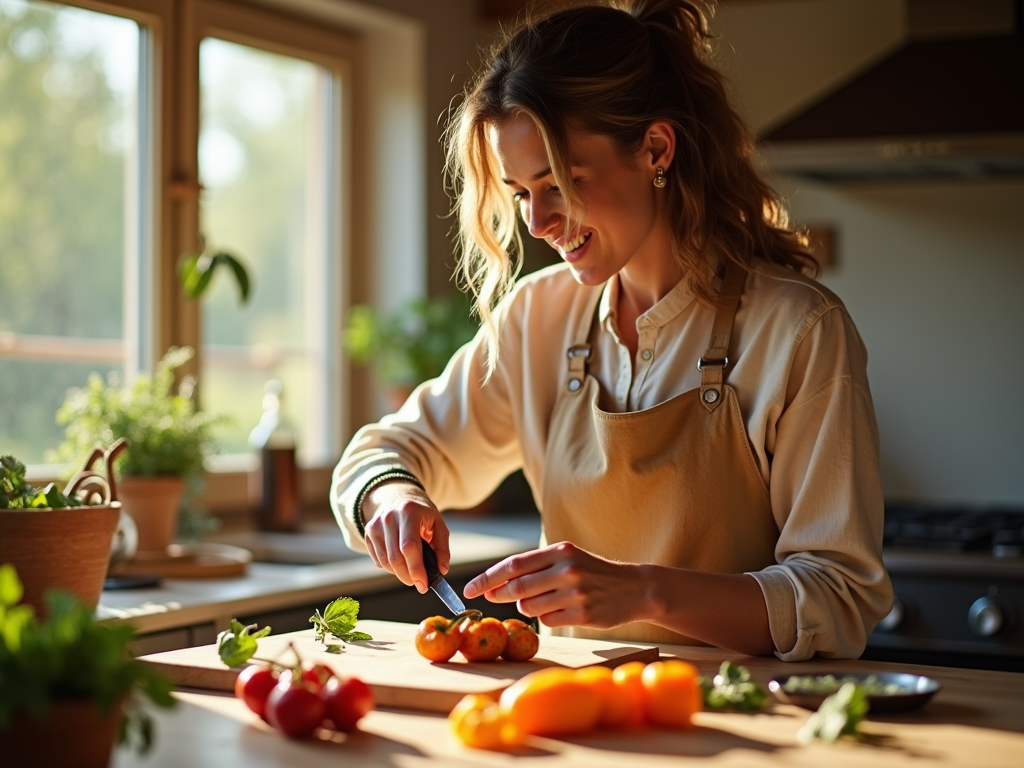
x: 713, y: 363
x: 579, y: 353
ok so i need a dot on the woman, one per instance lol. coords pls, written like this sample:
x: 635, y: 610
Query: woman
x: 692, y: 411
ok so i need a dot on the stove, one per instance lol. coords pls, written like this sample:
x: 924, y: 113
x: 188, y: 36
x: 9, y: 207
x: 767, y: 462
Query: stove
x: 958, y: 577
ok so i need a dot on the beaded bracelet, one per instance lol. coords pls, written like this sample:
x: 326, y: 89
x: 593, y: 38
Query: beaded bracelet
x: 394, y: 474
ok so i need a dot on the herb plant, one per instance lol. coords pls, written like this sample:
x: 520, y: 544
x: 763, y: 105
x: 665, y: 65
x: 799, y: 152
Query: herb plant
x: 15, y: 493
x: 72, y: 656
x: 166, y: 433
x: 412, y: 343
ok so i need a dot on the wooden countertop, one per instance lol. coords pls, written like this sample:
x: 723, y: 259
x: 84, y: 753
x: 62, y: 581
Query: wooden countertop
x: 977, y: 719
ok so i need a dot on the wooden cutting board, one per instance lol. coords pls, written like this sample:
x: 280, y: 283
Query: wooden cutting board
x: 398, y: 675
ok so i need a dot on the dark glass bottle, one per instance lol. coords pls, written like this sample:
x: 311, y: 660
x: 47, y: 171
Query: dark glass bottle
x: 278, y: 507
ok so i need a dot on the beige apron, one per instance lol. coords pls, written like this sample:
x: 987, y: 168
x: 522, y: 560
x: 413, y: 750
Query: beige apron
x: 675, y: 485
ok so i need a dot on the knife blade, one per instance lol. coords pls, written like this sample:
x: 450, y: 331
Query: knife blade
x: 437, y: 583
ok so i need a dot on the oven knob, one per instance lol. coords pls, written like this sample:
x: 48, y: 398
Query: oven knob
x: 986, y: 617
x: 894, y: 618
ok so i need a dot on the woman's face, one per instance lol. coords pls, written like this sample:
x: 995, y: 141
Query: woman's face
x: 623, y: 224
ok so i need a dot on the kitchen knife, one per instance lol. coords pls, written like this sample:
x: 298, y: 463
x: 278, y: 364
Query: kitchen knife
x: 437, y: 582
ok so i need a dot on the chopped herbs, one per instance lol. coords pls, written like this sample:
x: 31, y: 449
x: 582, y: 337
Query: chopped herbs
x: 829, y: 684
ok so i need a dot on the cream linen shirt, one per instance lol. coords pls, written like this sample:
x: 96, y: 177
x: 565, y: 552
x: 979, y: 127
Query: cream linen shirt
x: 799, y: 370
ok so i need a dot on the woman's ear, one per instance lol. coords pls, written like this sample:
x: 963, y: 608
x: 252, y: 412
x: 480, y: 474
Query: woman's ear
x: 659, y: 145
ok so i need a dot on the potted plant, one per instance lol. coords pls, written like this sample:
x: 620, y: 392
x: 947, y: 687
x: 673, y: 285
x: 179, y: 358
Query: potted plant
x: 55, y: 538
x: 411, y: 344
x: 69, y: 686
x: 167, y: 437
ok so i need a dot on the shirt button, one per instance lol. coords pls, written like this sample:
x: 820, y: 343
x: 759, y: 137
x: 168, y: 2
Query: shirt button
x: 647, y: 354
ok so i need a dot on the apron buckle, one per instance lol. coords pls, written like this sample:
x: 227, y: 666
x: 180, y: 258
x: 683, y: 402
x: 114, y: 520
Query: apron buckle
x: 579, y: 350
x: 722, y: 361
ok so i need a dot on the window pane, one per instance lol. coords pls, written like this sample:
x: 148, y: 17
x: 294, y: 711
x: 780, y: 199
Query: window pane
x: 68, y: 128
x: 261, y: 160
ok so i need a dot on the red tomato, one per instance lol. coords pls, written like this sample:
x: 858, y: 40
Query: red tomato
x: 317, y: 675
x: 253, y: 685
x: 523, y: 642
x: 295, y: 709
x: 346, y: 702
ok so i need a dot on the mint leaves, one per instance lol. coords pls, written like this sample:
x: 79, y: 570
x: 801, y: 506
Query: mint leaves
x: 236, y: 645
x: 339, y: 620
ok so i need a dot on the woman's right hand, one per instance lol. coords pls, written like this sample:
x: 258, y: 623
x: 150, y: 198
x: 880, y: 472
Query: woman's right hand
x: 398, y: 515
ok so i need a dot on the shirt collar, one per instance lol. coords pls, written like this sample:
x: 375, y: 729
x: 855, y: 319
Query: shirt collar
x: 670, y: 306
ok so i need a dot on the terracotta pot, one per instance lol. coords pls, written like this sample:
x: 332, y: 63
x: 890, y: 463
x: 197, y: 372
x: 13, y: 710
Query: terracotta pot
x: 59, y: 548
x: 73, y: 732
x: 152, y: 502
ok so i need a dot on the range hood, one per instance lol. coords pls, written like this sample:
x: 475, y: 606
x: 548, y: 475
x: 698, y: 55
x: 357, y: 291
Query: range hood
x: 939, y: 108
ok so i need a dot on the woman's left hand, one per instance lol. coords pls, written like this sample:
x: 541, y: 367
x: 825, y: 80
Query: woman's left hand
x: 563, y: 585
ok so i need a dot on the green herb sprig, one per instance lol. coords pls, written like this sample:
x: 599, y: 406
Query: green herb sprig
x: 733, y: 688
x: 237, y: 644
x: 71, y: 656
x: 839, y: 715
x: 338, y: 620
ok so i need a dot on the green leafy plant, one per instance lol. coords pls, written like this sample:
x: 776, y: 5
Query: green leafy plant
x: 166, y: 433
x: 733, y: 688
x: 15, y: 493
x: 72, y: 656
x: 338, y: 620
x: 196, y: 270
x: 412, y: 343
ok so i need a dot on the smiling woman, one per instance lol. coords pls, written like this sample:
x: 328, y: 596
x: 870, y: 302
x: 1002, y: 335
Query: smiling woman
x: 689, y: 406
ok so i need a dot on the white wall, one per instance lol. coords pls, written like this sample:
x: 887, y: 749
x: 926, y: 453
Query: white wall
x: 932, y: 272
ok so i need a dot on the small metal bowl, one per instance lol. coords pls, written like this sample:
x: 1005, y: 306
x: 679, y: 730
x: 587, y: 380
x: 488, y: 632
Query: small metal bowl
x: 915, y: 691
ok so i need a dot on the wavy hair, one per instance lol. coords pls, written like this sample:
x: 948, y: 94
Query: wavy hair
x: 614, y: 69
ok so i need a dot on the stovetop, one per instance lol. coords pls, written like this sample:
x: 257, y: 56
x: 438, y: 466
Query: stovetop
x: 998, y: 532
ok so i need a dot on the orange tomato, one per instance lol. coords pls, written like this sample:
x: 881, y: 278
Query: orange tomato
x: 671, y: 693
x: 483, y: 639
x: 630, y: 688
x: 550, y: 702
x: 616, y: 709
x: 477, y: 721
x: 523, y: 642
x: 437, y: 638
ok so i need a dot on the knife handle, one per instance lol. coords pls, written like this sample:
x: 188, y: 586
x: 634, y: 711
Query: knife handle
x: 430, y: 563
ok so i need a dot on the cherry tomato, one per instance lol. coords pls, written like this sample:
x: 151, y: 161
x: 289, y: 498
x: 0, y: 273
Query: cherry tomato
x: 346, y: 702
x: 522, y: 642
x: 550, y: 702
x: 317, y: 675
x: 253, y: 685
x: 483, y: 639
x: 437, y: 638
x: 477, y: 721
x: 295, y: 709
x: 671, y: 693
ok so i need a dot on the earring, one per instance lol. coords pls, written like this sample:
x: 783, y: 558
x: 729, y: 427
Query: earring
x: 659, y: 177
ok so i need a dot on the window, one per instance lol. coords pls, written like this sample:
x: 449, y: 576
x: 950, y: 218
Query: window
x: 131, y: 132
x: 69, y: 192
